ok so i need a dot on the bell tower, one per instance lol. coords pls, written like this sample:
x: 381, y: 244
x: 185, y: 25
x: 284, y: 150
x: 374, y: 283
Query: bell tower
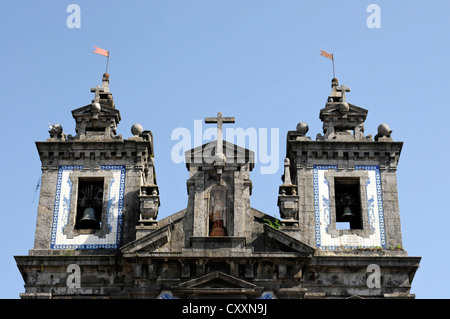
x: 91, y: 182
x: 99, y: 202
x: 340, y: 191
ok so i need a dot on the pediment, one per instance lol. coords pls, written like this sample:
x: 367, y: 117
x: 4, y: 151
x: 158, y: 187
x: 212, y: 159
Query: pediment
x: 105, y: 111
x: 335, y: 109
x: 217, y: 279
x: 155, y: 239
x: 287, y: 242
x: 205, y: 153
x: 218, y: 283
x: 148, y: 243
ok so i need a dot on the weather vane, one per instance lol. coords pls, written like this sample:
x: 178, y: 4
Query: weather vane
x: 329, y: 56
x: 104, y: 53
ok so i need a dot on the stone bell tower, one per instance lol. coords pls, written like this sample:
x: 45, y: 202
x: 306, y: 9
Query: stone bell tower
x: 346, y: 181
x: 340, y: 196
x: 93, y: 193
x: 93, y: 174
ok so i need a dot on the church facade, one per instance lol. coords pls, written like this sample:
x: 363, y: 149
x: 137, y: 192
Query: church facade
x: 98, y: 234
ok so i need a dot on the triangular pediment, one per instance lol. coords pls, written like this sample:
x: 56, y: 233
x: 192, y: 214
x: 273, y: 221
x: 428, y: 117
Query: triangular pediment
x: 335, y: 109
x: 217, y: 283
x: 217, y: 280
x: 288, y: 242
x: 155, y: 239
x: 204, y: 154
x: 148, y: 243
x: 105, y: 111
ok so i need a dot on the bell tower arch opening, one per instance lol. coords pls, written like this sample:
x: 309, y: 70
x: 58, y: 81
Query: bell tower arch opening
x: 348, y: 203
x: 89, y: 203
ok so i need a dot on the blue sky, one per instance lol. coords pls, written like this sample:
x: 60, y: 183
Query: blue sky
x: 173, y: 62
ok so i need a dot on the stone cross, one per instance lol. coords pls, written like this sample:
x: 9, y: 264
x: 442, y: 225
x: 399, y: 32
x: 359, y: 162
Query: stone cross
x: 97, y: 91
x: 219, y: 120
x: 343, y: 89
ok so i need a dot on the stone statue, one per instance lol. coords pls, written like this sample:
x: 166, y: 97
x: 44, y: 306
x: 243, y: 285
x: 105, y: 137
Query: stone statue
x: 217, y: 213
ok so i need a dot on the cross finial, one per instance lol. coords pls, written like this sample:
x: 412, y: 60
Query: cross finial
x: 343, y: 89
x: 97, y: 91
x: 219, y: 120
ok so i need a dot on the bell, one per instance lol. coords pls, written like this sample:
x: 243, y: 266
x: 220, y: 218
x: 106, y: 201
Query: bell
x: 88, y: 221
x: 347, y: 212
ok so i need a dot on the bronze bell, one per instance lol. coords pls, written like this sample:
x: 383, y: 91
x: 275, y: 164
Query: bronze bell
x: 347, y: 212
x: 88, y: 221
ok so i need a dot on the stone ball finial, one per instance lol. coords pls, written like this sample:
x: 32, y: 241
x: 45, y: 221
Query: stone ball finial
x: 384, y: 133
x: 334, y: 82
x: 344, y: 107
x: 302, y: 128
x: 384, y: 130
x: 95, y: 107
x: 137, y: 129
x: 220, y: 159
x: 56, y: 129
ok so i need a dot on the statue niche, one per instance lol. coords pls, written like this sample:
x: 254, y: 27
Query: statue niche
x: 218, y: 211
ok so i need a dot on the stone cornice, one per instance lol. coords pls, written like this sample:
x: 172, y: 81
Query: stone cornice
x: 386, y: 154
x: 91, y: 153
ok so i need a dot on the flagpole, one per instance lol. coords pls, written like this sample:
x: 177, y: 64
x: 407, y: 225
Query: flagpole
x: 332, y: 58
x: 107, y: 61
x: 329, y: 56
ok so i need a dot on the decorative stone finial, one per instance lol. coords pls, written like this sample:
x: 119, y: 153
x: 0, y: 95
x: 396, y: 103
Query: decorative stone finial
x: 149, y: 205
x: 56, y: 131
x: 343, y: 89
x: 302, y: 128
x: 384, y: 133
x: 342, y: 121
x: 102, y: 121
x: 95, y: 106
x: 288, y: 200
x: 334, y: 83
x: 219, y: 157
x: 287, y: 172
x: 137, y: 129
x: 219, y: 120
x: 105, y: 82
x: 384, y: 130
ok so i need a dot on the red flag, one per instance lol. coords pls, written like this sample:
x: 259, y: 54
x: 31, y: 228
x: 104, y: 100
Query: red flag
x: 326, y: 54
x: 101, y: 51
